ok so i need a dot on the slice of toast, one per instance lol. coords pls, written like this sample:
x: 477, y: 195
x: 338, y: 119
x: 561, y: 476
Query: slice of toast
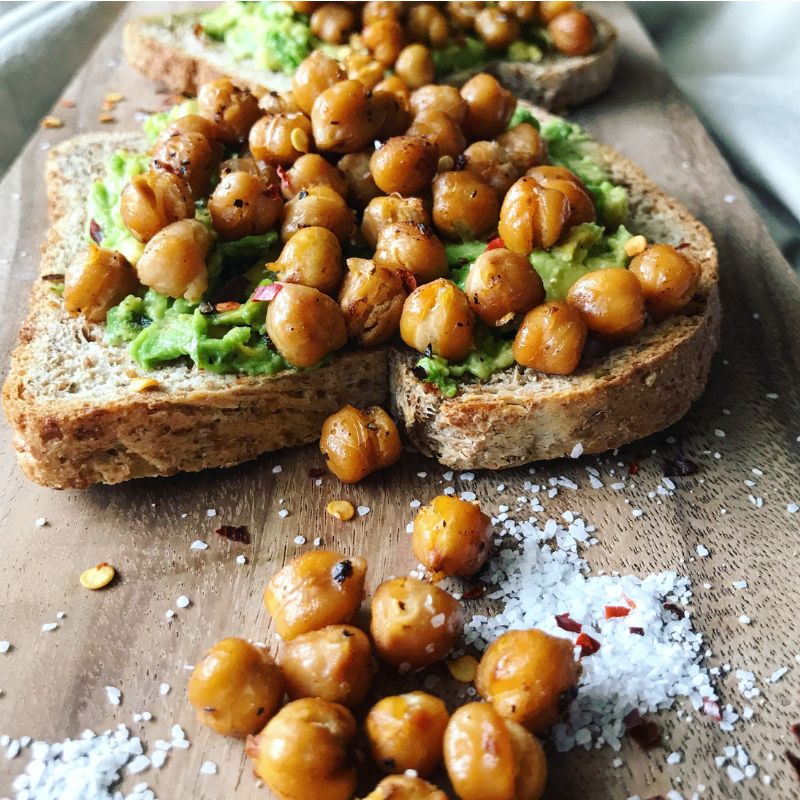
x: 169, y: 49
x: 69, y: 399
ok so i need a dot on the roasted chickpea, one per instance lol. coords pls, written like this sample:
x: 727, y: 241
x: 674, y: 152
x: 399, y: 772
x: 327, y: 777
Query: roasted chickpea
x: 668, y: 279
x: 532, y: 216
x: 463, y: 14
x: 152, y: 201
x: 413, y: 247
x: 404, y: 164
x: 384, y: 211
x: 281, y: 102
x: 414, y: 624
x: 464, y: 207
x: 451, y: 537
x: 314, y: 590
x: 385, y: 39
x: 342, y: 118
x: 356, y: 443
x: 489, y: 107
x: 233, y: 110
x: 312, y: 257
x: 427, y: 24
x: 405, y: 787
x: 551, y: 339
x: 361, y: 187
x: 391, y: 116
x: 437, y: 317
x: 501, y: 284
x: 525, y: 11
x: 523, y: 146
x: 441, y: 129
x: 581, y: 204
x: 439, y: 98
x: 572, y: 33
x: 244, y: 205
x: 306, y: 750
x: 398, y: 88
x: 189, y: 156
x: 611, y: 303
x: 97, y: 280
x: 236, y: 688
x: 317, y: 73
x: 497, y: 28
x: 415, y: 66
x: 174, y: 260
x: 491, y: 164
x: 281, y: 138
x: 406, y: 731
x: 548, y: 11
x: 312, y: 170
x: 194, y: 123
x: 318, y: 206
x: 333, y: 663
x: 302, y: 7
x: 374, y: 11
x: 304, y: 325
x: 333, y: 22
x: 531, y: 763
x: 528, y: 676
x: 363, y: 68
x: 371, y: 298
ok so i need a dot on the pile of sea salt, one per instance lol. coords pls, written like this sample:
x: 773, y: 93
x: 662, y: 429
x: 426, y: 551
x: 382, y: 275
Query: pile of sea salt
x: 539, y: 573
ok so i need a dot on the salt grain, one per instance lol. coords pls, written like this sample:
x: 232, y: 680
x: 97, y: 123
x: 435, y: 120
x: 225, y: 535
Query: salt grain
x: 183, y: 601
x: 208, y: 768
x: 362, y: 511
x: 198, y: 544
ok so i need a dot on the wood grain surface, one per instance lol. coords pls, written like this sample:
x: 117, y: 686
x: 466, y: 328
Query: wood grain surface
x: 53, y: 683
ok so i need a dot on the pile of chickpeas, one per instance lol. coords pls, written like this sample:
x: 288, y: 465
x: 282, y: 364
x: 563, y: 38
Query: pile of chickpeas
x: 326, y: 665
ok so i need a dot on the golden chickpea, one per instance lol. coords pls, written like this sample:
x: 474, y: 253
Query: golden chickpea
x: 491, y: 164
x: 437, y: 317
x: 281, y: 102
x: 302, y: 7
x: 174, y: 260
x: 305, y: 325
x: 317, y: 73
x: 412, y: 247
x: 371, y: 298
x: 669, y: 279
x: 194, y: 123
x: 152, y: 201
x: 96, y: 281
x: 523, y: 146
x: 497, y: 28
x: 312, y: 257
x: 415, y: 66
x: 384, y: 211
x: 531, y: 763
x: 414, y: 624
x: 489, y: 107
x: 548, y: 11
x: 551, y: 339
x: 314, y: 590
x: 361, y: 187
x: 398, y: 88
x: 572, y: 33
x: 406, y: 731
x: 236, y: 688
x: 363, y: 68
x: 439, y: 98
x: 312, y: 170
x: 464, y: 207
x: 581, y: 204
x: 427, y: 24
x: 189, y: 156
x: 611, y: 303
x: 333, y: 663
x: 376, y: 10
x: 342, y: 118
x: 441, y: 129
x: 404, y: 164
x: 244, y: 205
x: 356, y: 443
x: 525, y: 11
x: 501, y: 284
x: 306, y: 750
x: 405, y: 787
x: 233, y: 110
x: 385, y: 39
x: 333, y: 22
x: 318, y: 206
x: 389, y: 113
x: 528, y: 676
x: 451, y: 537
x: 463, y: 14
x: 532, y: 216
x: 281, y: 138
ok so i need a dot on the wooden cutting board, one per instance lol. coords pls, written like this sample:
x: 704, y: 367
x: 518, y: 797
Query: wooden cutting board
x: 53, y: 683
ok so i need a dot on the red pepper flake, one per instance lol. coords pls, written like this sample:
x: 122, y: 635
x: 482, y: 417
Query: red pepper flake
x: 633, y: 468
x: 474, y: 593
x: 234, y: 533
x: 675, y: 609
x: 630, y: 602
x: 286, y: 184
x: 496, y: 244
x: 645, y: 733
x: 409, y: 279
x: 566, y: 623
x: 587, y: 644
x: 711, y: 709
x: 637, y: 630
x: 95, y: 231
x: 795, y: 729
x: 267, y: 293
x: 794, y: 761
x: 616, y: 611
x: 227, y: 305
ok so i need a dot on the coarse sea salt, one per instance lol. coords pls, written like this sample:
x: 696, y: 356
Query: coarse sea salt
x: 540, y: 573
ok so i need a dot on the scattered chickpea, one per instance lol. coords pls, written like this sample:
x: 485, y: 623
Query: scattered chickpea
x: 551, y: 339
x: 415, y: 66
x: 385, y: 39
x: 154, y: 200
x: 96, y: 280
x: 310, y: 170
x: 333, y: 22
x: 581, y: 204
x: 405, y: 787
x: 316, y: 74
x: 318, y: 206
x: 573, y: 33
x: 441, y: 98
x: 280, y: 138
x: 244, y: 205
x: 427, y: 24
x: 497, y: 28
x: 384, y: 211
x: 464, y: 206
x: 404, y: 164
x: 669, y: 278
x: 412, y: 247
x: 190, y: 156
x: 312, y: 257
x: 489, y: 107
x: 361, y: 188
x: 233, y: 110
x: 441, y: 129
x: 342, y: 119
x: 532, y: 216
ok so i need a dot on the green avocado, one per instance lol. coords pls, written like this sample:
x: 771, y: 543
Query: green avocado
x: 459, y: 55
x: 155, y: 123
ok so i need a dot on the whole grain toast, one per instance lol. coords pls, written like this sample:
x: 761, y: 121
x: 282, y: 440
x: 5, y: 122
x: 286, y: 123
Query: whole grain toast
x: 169, y: 49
